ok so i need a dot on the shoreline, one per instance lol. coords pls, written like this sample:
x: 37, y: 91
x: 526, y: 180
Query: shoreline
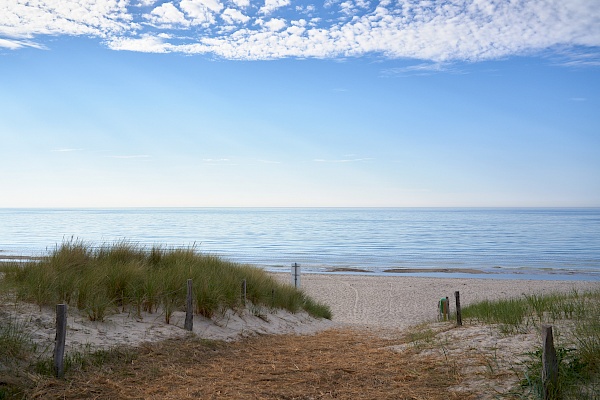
x: 496, y: 273
x: 522, y: 273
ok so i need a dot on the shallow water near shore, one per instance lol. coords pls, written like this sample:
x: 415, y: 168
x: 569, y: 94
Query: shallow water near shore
x: 528, y: 243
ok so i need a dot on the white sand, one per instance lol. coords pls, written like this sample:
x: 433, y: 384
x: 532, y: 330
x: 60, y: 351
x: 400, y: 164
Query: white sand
x: 483, y: 356
x: 399, y: 301
x: 127, y: 329
x: 366, y: 302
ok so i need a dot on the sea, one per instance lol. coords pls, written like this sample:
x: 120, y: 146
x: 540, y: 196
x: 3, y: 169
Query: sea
x: 498, y: 243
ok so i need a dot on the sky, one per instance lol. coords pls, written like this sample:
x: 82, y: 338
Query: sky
x: 300, y: 103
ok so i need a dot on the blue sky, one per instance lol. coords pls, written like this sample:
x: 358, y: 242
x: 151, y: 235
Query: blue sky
x: 296, y: 103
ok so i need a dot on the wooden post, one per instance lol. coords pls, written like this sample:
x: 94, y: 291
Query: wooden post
x: 61, y: 335
x: 296, y: 275
x: 272, y: 297
x: 189, y: 308
x: 549, y: 363
x: 446, y: 309
x: 458, y: 310
x: 244, y: 292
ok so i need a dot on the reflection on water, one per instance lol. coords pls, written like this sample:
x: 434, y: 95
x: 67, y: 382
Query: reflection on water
x: 520, y: 242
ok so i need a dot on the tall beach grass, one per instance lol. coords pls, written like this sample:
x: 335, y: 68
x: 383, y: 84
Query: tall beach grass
x: 124, y: 276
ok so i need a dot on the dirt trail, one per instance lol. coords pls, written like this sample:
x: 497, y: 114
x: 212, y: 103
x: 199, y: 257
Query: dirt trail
x: 340, y: 364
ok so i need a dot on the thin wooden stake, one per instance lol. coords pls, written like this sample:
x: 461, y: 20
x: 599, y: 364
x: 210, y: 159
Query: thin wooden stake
x: 446, y: 309
x: 549, y: 363
x: 244, y: 292
x: 61, y: 336
x: 189, y: 308
x: 458, y: 310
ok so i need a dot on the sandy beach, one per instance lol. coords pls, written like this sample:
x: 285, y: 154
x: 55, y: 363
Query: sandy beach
x: 373, y: 318
x: 376, y: 304
x: 397, y: 302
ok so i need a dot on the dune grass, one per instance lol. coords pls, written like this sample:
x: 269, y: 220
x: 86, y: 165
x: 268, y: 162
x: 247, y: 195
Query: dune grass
x: 578, y: 352
x: 124, y: 276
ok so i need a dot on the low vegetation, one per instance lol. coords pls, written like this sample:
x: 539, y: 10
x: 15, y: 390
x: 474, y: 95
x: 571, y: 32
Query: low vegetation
x: 126, y: 277
x: 103, y: 280
x: 575, y: 318
x: 332, y: 364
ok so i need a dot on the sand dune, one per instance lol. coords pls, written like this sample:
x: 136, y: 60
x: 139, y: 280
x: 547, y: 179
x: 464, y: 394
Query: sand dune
x: 373, y: 303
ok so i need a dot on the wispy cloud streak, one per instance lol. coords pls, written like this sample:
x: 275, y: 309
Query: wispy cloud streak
x: 130, y: 157
x: 343, y: 160
x: 65, y: 150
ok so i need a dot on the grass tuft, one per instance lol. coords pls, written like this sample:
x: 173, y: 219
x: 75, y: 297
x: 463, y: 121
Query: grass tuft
x: 121, y: 276
x: 579, y: 361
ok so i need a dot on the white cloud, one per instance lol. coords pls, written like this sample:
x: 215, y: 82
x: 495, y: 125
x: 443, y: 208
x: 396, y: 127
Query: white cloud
x: 144, y: 44
x: 201, y: 12
x: 19, y: 19
x: 167, y: 15
x: 232, y: 16
x: 241, y: 3
x: 272, y: 5
x: 308, y: 10
x: 330, y: 3
x: 347, y: 7
x: 300, y: 22
x: 146, y: 3
x: 439, y: 32
x: 275, y: 24
x: 14, y: 44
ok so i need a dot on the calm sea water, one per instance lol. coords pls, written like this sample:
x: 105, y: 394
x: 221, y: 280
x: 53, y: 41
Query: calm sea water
x: 510, y: 243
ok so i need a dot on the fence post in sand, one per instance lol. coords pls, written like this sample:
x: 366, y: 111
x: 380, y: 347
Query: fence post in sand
x: 244, y: 292
x: 549, y: 363
x: 296, y: 275
x: 59, y: 344
x: 458, y: 310
x: 189, y: 308
x: 443, y: 308
x: 446, y: 309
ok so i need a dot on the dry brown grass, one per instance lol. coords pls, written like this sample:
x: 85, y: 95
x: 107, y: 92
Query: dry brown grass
x: 335, y: 364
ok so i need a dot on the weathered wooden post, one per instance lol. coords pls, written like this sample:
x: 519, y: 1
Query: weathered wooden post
x: 444, y: 308
x: 296, y: 275
x: 244, y: 292
x: 549, y: 363
x: 189, y: 308
x: 458, y: 310
x: 441, y: 309
x: 61, y: 336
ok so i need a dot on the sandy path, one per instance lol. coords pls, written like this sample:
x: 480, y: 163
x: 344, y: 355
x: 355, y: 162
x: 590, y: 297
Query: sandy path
x: 399, y: 302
